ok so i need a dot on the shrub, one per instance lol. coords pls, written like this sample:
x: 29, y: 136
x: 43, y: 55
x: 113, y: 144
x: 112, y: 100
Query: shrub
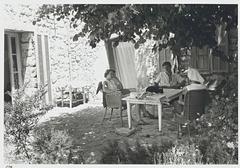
x: 124, y: 153
x: 51, y: 147
x: 217, y: 130
x: 112, y: 153
x: 166, y: 153
x: 54, y: 147
x: 20, y: 118
x: 182, y: 154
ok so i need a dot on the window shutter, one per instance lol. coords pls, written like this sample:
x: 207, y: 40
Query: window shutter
x: 48, y: 68
x: 44, y: 66
x: 40, y: 59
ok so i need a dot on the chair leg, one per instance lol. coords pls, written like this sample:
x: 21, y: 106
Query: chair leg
x: 132, y: 117
x: 179, y: 130
x: 104, y: 114
x: 111, y: 114
x: 121, y: 117
x: 188, y: 127
x: 131, y: 114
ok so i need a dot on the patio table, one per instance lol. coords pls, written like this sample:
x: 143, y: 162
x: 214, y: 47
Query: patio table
x: 156, y: 99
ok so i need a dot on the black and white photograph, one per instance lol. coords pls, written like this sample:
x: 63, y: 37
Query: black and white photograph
x: 119, y: 83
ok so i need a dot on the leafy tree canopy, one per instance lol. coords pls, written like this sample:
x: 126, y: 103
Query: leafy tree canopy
x: 177, y: 26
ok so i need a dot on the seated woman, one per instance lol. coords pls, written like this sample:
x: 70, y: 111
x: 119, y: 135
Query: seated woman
x: 112, y: 83
x: 109, y: 85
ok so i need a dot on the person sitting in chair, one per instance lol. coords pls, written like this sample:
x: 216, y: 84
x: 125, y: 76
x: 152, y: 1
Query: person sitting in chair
x: 195, y: 82
x: 196, y: 99
x: 112, y: 83
x: 167, y: 79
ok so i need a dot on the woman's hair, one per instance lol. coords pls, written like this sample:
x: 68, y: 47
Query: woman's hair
x: 167, y: 64
x: 108, y: 71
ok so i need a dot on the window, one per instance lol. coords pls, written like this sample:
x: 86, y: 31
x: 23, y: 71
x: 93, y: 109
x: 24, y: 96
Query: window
x: 14, y: 57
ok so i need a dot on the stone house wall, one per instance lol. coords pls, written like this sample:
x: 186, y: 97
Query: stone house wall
x: 61, y: 49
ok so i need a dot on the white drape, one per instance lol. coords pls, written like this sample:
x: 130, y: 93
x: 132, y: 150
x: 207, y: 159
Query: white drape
x: 124, y: 56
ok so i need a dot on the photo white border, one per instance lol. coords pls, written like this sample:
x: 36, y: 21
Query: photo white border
x: 91, y: 2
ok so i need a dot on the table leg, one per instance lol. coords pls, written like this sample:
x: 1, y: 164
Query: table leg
x: 129, y: 115
x: 138, y: 109
x: 160, y: 116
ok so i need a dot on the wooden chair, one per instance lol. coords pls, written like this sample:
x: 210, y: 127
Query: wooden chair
x: 194, y: 105
x: 112, y: 101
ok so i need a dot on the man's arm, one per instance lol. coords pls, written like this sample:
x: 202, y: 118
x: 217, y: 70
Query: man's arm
x: 181, y: 82
x: 180, y: 85
x: 156, y: 82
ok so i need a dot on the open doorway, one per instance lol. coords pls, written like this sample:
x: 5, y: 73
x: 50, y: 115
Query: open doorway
x: 12, y: 65
x: 7, y: 83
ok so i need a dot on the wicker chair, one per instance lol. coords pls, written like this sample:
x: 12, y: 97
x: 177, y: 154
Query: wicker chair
x: 194, y: 105
x: 112, y: 101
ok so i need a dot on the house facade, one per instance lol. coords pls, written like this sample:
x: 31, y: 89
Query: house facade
x: 44, y: 54
x: 28, y: 50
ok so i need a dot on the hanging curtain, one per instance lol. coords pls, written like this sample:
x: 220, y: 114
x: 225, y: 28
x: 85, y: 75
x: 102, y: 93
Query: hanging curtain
x: 124, y: 56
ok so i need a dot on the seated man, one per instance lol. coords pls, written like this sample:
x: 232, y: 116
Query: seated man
x: 167, y: 79
x: 196, y: 83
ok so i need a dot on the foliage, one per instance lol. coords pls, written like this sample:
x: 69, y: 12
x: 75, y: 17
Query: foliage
x: 177, y: 26
x: 167, y: 153
x: 182, y: 154
x: 146, y: 63
x: 21, y: 117
x: 217, y: 130
x: 123, y: 153
x: 54, y: 147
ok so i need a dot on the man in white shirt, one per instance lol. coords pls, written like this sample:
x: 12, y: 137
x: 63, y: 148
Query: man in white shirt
x: 196, y: 81
x: 167, y: 79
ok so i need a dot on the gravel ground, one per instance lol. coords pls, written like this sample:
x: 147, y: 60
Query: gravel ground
x: 84, y: 125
